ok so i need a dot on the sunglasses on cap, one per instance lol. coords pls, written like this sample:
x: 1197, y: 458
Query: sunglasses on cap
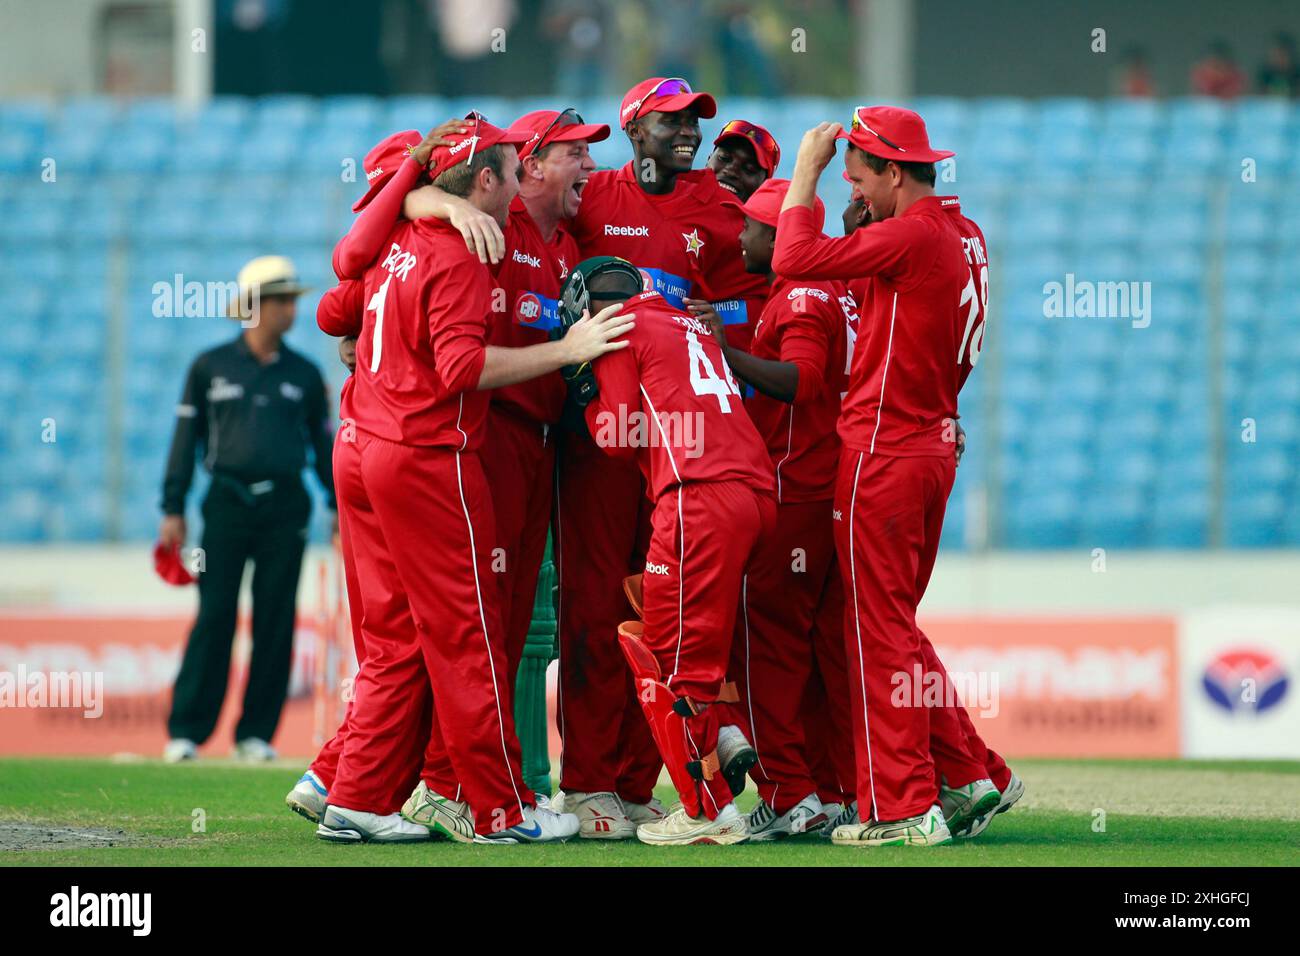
x: 673, y: 86
x: 566, y: 117
x: 760, y: 137
x: 478, y: 118
x: 860, y: 124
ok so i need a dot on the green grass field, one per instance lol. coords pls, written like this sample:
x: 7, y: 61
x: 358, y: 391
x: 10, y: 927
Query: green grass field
x: 57, y: 812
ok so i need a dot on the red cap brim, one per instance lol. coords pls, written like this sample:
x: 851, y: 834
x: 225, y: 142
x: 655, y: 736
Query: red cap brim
x: 591, y: 132
x: 873, y: 145
x: 672, y: 104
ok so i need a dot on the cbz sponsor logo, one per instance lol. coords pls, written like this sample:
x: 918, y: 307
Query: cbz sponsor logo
x: 536, y: 312
x: 1245, y: 681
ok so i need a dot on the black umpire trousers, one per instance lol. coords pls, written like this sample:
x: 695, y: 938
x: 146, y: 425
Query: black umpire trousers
x: 242, y: 522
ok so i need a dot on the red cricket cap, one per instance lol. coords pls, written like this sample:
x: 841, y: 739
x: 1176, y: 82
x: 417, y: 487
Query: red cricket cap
x: 764, y: 204
x: 663, y: 95
x: 382, y: 161
x: 892, y: 132
x: 766, y: 149
x: 167, y: 562
x: 543, y: 129
x: 479, y: 135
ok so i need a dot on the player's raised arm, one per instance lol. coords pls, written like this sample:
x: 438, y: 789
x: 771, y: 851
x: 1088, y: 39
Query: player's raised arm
x: 393, y: 168
x: 481, y: 233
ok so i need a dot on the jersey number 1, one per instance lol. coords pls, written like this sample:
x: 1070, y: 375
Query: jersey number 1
x: 377, y: 340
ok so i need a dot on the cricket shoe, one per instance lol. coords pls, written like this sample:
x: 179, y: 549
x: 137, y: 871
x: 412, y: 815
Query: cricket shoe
x: 253, y: 750
x: 681, y: 829
x: 736, y: 756
x: 962, y: 805
x: 308, y: 797
x: 927, y: 829
x: 1015, y: 790
x: 843, y: 814
x: 640, y: 813
x: 356, y: 826
x: 441, y: 816
x: 806, y: 816
x: 180, y: 749
x: 601, y: 816
x: 539, y: 826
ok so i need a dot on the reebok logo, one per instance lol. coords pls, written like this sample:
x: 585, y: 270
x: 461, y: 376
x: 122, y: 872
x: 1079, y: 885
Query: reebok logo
x: 631, y: 231
x: 837, y: 515
x: 652, y: 568
x: 462, y: 144
x: 377, y: 171
x: 524, y: 259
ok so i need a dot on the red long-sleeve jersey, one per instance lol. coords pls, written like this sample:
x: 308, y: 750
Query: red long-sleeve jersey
x: 812, y: 325
x: 358, y: 248
x: 423, y: 340
x: 531, y: 275
x: 670, y: 400
x: 975, y: 294
x: 906, y: 373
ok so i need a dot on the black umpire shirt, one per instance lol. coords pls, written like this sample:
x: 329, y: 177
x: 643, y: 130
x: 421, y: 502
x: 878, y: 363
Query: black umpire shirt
x: 253, y: 421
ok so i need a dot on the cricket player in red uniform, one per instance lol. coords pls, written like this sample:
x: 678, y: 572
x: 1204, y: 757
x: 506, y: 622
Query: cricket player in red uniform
x: 744, y: 156
x: 897, y: 467
x: 670, y: 404
x: 658, y: 213
x: 791, y: 598
x: 402, y: 156
x: 422, y: 523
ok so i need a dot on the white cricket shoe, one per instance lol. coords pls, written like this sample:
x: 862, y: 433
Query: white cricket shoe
x: 308, y: 797
x: 540, y: 825
x: 1015, y: 790
x: 253, y: 750
x: 962, y: 805
x: 601, y: 816
x: 340, y: 825
x: 736, y: 756
x: 179, y: 749
x: 927, y: 829
x: 806, y: 816
x: 681, y: 829
x: 640, y: 813
x: 442, y: 816
x: 839, y: 815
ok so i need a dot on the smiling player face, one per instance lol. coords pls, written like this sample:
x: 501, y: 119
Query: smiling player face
x: 735, y: 164
x: 879, y: 190
x: 670, y: 139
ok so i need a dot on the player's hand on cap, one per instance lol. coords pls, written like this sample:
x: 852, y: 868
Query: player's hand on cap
x: 817, y: 146
x: 438, y: 136
x: 348, y: 352
x: 593, y: 335
x: 703, y: 310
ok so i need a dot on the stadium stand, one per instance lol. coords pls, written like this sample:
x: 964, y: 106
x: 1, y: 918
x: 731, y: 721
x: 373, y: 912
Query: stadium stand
x: 1084, y: 432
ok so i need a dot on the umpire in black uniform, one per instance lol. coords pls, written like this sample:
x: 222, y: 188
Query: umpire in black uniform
x: 251, y: 407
